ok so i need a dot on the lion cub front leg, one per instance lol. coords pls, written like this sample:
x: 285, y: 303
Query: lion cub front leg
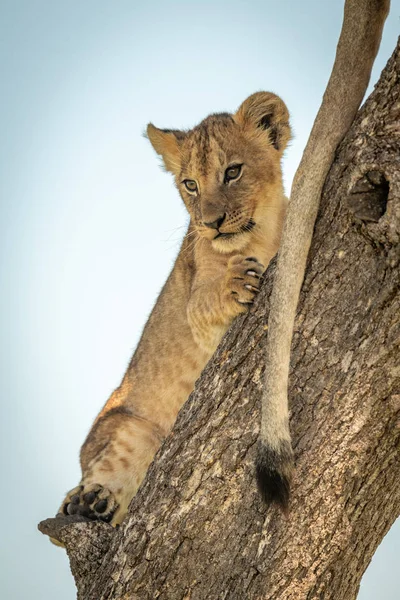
x: 114, y: 460
x: 216, y: 302
x: 241, y: 284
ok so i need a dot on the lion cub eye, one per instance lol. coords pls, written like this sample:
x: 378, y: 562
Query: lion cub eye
x: 190, y: 185
x: 232, y: 173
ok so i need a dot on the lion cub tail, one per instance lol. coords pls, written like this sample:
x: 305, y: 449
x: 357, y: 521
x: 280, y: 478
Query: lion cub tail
x: 275, y: 462
x: 358, y: 44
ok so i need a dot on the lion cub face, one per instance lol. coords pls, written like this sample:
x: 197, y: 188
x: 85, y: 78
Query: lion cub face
x: 227, y: 169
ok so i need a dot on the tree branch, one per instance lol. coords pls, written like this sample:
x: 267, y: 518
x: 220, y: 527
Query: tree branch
x: 197, y: 528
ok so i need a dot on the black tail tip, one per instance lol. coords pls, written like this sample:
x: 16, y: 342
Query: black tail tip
x: 274, y: 473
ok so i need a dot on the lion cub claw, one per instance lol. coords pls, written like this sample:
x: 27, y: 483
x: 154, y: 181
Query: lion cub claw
x: 92, y: 501
x: 242, y: 282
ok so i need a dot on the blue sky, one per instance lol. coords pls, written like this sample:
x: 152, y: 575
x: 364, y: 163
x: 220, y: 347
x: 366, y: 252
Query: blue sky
x: 90, y: 224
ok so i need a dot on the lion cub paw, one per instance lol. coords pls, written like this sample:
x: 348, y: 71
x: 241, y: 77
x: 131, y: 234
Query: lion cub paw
x: 242, y: 282
x: 92, y: 501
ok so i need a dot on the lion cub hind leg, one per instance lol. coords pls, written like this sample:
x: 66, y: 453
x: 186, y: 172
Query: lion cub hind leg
x: 114, y: 460
x: 92, y: 501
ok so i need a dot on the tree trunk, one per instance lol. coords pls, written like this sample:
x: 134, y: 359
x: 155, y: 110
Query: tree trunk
x: 197, y: 529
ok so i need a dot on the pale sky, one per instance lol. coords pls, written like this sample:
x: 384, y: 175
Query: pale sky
x: 90, y: 224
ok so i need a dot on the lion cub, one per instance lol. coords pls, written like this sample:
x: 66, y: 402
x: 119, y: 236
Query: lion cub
x: 228, y: 173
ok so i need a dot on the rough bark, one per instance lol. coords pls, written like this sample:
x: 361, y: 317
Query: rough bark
x: 197, y: 529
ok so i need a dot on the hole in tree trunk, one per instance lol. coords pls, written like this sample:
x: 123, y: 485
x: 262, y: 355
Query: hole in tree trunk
x: 368, y: 197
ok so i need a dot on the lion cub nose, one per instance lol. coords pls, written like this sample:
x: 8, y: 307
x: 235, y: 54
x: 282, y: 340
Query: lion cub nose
x: 217, y: 223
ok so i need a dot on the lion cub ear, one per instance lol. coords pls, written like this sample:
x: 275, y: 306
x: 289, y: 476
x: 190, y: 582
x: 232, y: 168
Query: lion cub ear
x: 167, y: 143
x: 266, y: 111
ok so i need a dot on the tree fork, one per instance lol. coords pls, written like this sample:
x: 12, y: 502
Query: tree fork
x: 197, y: 529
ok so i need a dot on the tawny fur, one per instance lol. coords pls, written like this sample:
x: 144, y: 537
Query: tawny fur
x: 214, y: 279
x: 358, y: 44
